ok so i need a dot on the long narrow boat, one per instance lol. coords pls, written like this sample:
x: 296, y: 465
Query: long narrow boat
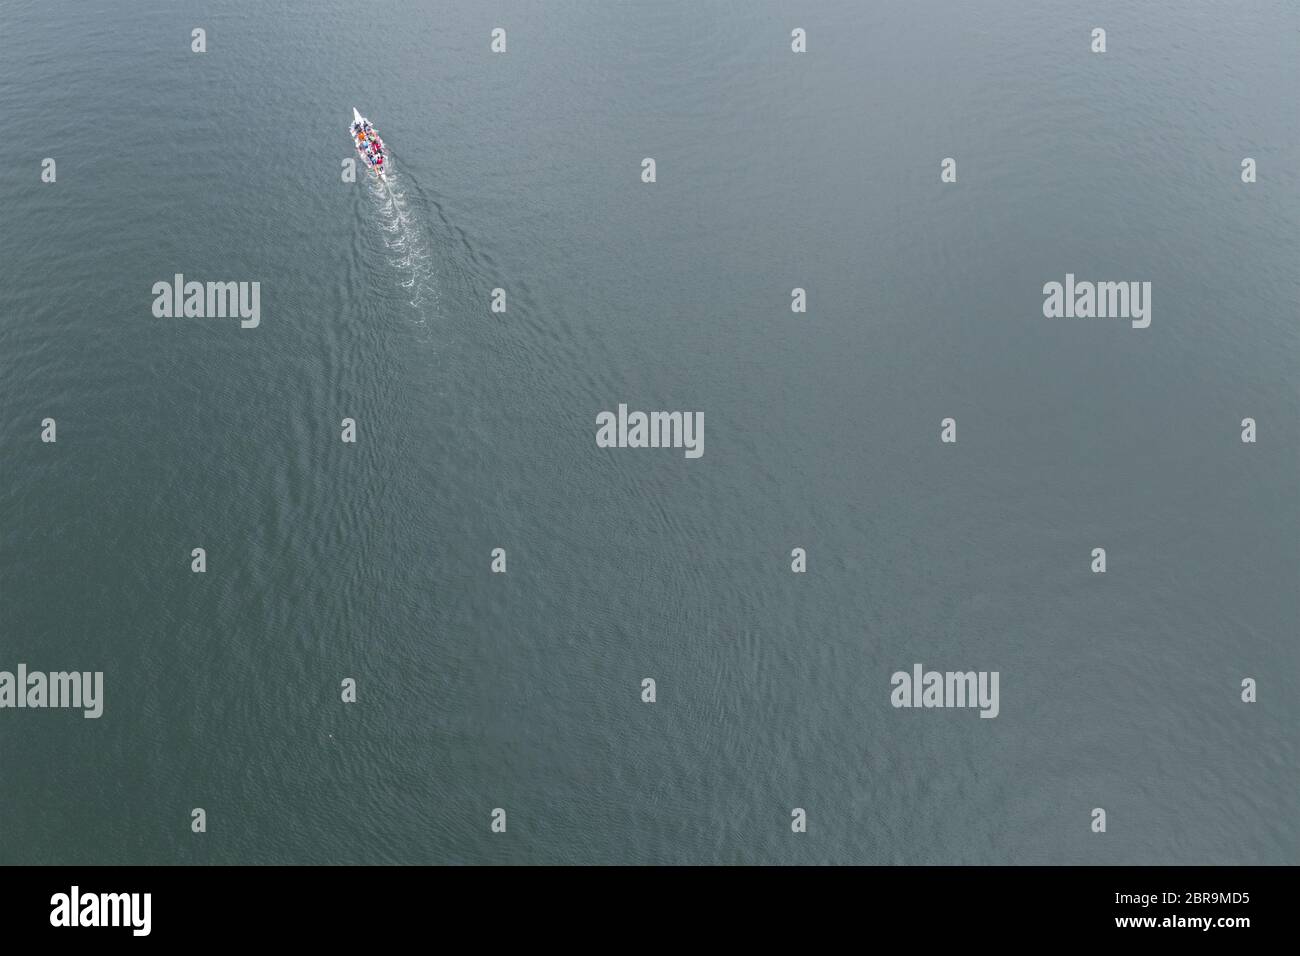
x: 369, y: 145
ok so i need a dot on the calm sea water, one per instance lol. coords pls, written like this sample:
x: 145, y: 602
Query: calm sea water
x: 522, y: 690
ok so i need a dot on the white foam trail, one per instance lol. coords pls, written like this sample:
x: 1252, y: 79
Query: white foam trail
x: 406, y: 243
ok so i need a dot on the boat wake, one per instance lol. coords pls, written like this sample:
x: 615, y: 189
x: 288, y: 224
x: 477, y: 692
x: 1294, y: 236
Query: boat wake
x: 406, y: 244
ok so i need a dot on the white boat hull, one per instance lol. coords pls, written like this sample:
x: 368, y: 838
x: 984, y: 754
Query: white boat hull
x: 369, y: 145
